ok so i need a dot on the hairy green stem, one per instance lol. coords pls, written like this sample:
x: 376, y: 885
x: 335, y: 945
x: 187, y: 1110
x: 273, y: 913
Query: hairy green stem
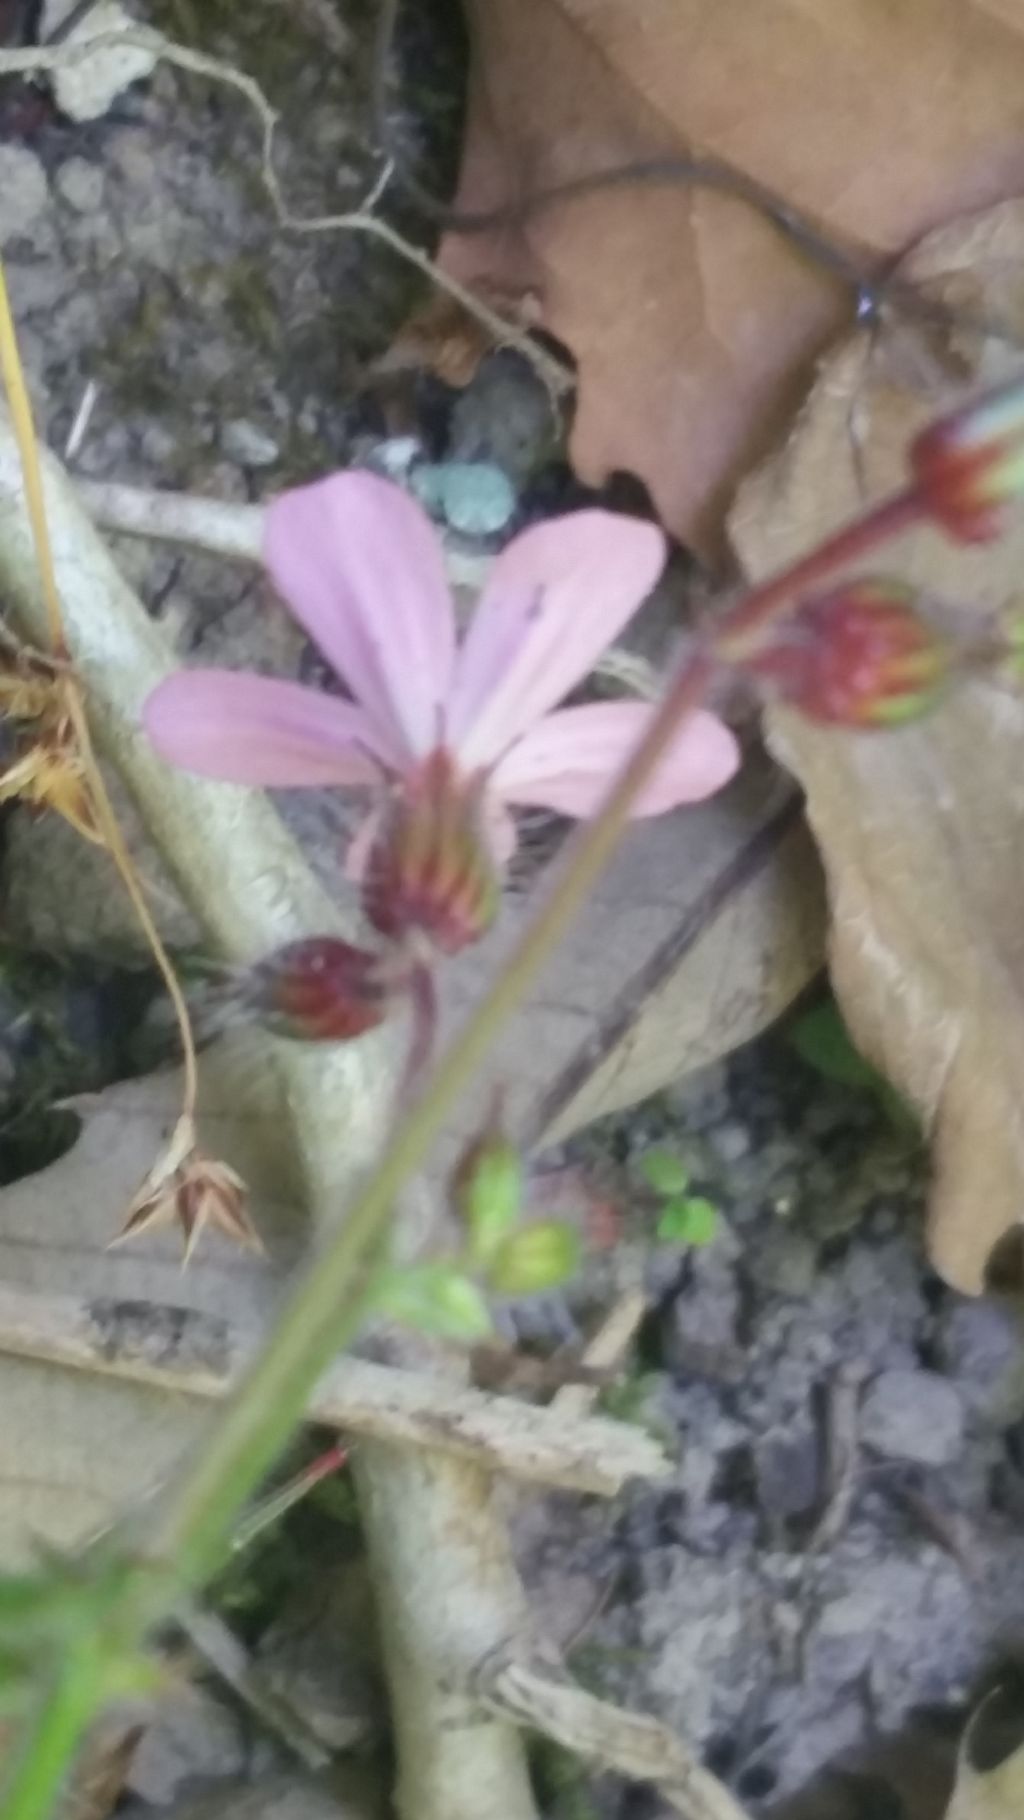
x: 756, y: 611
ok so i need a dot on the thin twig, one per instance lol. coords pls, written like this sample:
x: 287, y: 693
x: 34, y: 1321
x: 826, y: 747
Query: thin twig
x: 537, y: 1693
x: 47, y: 59
x: 185, y: 1352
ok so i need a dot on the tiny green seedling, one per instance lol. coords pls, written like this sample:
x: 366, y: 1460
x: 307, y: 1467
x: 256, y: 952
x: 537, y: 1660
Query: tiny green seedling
x: 683, y: 1218
x: 506, y: 1253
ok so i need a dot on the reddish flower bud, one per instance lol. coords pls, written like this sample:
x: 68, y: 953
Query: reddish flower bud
x: 431, y: 871
x: 858, y: 657
x: 322, y: 990
x: 968, y: 467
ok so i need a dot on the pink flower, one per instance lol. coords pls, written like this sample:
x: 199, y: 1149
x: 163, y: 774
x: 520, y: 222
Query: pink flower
x: 362, y: 569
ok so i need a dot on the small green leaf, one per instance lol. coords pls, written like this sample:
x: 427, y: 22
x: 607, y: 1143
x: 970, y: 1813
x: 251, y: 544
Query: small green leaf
x: 539, y: 1257
x: 822, y: 1040
x: 437, y: 1299
x: 663, y: 1172
x: 489, y: 1194
x: 689, y: 1221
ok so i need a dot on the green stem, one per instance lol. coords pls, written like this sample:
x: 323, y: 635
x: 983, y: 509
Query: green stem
x: 68, y: 1708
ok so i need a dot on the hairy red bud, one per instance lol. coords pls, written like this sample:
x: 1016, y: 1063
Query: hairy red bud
x: 857, y: 657
x: 321, y: 990
x: 968, y: 467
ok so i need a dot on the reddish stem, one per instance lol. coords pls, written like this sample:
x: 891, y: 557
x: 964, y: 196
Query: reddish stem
x: 759, y: 607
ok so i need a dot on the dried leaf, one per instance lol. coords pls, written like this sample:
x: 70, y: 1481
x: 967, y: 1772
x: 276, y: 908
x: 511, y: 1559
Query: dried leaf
x: 444, y: 338
x: 690, y: 318
x: 706, y: 926
x: 920, y: 828
x: 990, y: 1771
x: 73, y: 1449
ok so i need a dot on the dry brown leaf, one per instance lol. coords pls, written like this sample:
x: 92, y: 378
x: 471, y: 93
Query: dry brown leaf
x: 75, y: 1450
x: 691, y: 320
x: 444, y: 338
x: 920, y: 829
x: 706, y: 926
x: 990, y: 1779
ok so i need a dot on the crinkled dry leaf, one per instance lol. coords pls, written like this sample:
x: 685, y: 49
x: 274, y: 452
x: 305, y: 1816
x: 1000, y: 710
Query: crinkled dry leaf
x: 690, y: 318
x: 920, y: 829
x: 73, y: 1449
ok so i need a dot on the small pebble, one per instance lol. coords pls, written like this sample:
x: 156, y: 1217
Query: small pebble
x: 79, y: 183
x: 981, y: 1345
x: 243, y: 441
x: 474, y: 497
x: 913, y: 1415
x: 730, y: 1142
x: 24, y: 191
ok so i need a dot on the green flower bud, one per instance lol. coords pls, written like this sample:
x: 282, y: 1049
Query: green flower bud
x: 436, y: 1299
x: 541, y: 1256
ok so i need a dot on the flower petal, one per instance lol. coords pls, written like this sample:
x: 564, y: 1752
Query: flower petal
x: 258, y: 730
x: 556, y: 598
x: 361, y: 567
x: 567, y: 762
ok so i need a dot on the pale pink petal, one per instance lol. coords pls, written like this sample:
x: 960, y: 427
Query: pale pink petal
x: 567, y: 762
x: 359, y: 848
x: 500, y: 828
x: 557, y: 597
x: 361, y: 567
x: 258, y: 730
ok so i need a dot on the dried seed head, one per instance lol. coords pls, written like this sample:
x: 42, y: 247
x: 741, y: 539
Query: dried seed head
x: 47, y: 772
x: 430, y: 872
x: 193, y: 1189
x: 860, y: 656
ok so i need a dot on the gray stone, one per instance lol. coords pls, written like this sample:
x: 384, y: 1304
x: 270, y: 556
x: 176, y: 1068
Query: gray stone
x: 243, y: 441
x: 191, y: 1738
x: 473, y: 497
x: 79, y: 183
x: 284, y: 1798
x: 24, y: 192
x: 729, y: 1142
x: 913, y: 1415
x: 787, y: 1262
x: 788, y: 1469
x: 981, y: 1344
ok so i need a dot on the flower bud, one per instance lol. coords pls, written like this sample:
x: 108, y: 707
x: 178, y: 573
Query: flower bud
x: 969, y: 466
x: 322, y: 990
x: 430, y: 871
x: 539, y: 1257
x: 487, y: 1189
x: 436, y: 1298
x: 857, y: 657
